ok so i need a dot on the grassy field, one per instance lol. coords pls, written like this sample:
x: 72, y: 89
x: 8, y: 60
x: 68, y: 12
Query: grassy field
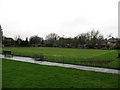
x: 18, y: 74
x: 90, y: 57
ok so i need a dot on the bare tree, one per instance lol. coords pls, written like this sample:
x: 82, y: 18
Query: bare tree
x: 51, y: 39
x: 52, y: 36
x: 109, y: 36
x: 96, y: 39
x: 35, y: 40
x: 82, y: 39
x: 18, y: 40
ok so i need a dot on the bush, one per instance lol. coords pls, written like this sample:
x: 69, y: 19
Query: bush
x: 90, y: 46
x: 39, y: 57
x: 117, y: 47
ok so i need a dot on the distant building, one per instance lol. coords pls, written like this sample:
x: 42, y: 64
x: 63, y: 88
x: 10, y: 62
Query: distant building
x: 110, y: 43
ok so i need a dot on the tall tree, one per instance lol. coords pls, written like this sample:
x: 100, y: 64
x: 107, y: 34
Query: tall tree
x: 96, y: 39
x: 18, y: 40
x: 26, y: 42
x: 52, y: 36
x: 82, y: 39
x: 35, y: 40
x: 1, y: 34
x: 51, y: 39
x: 7, y: 41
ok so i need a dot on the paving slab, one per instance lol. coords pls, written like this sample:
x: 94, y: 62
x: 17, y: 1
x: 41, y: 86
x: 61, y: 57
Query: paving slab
x: 97, y: 69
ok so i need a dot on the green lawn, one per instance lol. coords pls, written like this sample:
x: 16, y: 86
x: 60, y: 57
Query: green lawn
x: 18, y: 74
x: 72, y: 56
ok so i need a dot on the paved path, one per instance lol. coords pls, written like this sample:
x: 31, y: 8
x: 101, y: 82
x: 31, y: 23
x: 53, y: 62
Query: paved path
x: 27, y: 59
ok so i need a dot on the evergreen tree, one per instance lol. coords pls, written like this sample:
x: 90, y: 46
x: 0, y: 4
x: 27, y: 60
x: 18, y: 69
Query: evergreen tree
x: 26, y: 42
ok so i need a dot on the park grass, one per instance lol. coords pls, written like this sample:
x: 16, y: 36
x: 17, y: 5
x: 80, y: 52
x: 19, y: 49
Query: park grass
x: 71, y: 56
x: 18, y: 74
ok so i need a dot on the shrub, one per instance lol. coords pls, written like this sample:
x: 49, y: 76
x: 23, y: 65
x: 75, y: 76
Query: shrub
x: 39, y: 57
x: 117, y: 47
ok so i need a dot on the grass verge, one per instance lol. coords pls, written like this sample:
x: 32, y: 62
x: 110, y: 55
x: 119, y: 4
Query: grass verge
x: 72, y: 56
x: 28, y: 75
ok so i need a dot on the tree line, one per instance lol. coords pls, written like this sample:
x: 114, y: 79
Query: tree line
x: 92, y: 39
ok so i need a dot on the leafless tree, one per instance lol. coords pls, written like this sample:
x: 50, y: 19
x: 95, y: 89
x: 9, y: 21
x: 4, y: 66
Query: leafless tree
x: 35, y: 40
x: 52, y: 39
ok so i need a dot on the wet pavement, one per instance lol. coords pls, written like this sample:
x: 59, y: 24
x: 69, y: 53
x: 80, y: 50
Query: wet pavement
x: 97, y: 69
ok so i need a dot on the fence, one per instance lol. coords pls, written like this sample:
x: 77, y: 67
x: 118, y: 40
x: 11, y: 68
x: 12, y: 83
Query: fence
x: 107, y: 62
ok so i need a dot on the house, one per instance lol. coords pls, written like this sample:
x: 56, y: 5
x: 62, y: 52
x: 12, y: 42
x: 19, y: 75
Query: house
x: 110, y: 43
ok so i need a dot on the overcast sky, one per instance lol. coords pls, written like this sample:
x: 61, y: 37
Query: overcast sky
x: 63, y: 17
